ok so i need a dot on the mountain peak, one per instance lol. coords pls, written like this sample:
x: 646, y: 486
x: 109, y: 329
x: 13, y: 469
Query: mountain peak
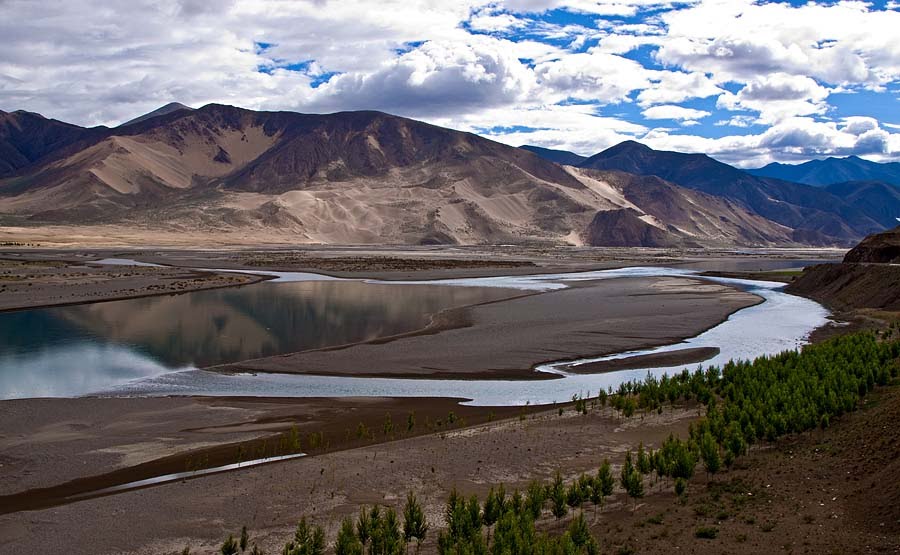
x: 161, y: 111
x: 626, y: 147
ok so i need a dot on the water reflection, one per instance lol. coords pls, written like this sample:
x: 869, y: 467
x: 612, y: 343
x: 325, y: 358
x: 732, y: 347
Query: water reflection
x: 80, y: 349
x: 782, y: 322
x: 132, y: 347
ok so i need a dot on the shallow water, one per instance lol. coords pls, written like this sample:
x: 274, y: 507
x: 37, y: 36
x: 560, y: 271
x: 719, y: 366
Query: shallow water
x: 74, y: 350
x: 153, y: 346
x: 781, y: 322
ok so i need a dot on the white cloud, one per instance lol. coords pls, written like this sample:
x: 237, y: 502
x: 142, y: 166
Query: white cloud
x: 841, y: 43
x: 670, y: 111
x: 770, y: 63
x: 593, y: 76
x: 435, y: 79
x: 778, y: 96
x: 571, y: 127
x: 675, y: 86
x: 792, y: 140
x: 736, y: 121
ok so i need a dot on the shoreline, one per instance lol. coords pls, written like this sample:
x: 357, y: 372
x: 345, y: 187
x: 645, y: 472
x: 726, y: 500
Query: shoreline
x: 556, y: 326
x: 256, y: 278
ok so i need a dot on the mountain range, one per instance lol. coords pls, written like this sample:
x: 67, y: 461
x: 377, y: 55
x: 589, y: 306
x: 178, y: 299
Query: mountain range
x: 369, y: 177
x: 833, y: 170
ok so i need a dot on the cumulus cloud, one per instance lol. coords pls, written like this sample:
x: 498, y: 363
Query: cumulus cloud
x: 593, y: 76
x: 778, y: 96
x: 438, y: 78
x: 842, y: 43
x: 560, y: 73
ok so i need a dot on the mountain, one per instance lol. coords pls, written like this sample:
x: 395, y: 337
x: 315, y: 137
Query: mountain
x: 879, y: 200
x: 26, y: 138
x: 656, y: 213
x: 351, y: 177
x: 833, y: 170
x: 161, y: 111
x: 563, y: 157
x: 816, y: 216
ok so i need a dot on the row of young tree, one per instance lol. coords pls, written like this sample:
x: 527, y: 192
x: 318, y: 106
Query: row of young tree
x: 746, y: 402
x: 760, y: 400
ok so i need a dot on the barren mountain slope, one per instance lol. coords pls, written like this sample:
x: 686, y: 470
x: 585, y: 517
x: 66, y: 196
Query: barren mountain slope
x: 26, y: 138
x: 685, y: 216
x: 350, y: 177
x: 816, y: 215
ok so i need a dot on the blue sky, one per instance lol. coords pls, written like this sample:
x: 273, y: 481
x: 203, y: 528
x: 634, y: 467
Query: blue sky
x: 747, y: 81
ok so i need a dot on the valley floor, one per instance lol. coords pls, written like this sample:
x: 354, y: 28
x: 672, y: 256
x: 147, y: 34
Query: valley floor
x: 363, y: 460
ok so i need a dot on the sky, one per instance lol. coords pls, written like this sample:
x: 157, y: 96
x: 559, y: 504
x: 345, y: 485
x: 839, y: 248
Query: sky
x: 748, y: 82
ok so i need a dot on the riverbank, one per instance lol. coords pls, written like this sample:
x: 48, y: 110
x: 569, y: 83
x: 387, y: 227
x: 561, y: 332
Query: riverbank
x: 507, y: 339
x: 42, y: 282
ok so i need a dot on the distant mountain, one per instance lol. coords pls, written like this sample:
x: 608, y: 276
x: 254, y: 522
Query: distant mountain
x: 26, y: 138
x: 563, y: 157
x: 816, y: 216
x: 354, y: 177
x: 161, y: 111
x: 833, y: 170
x: 879, y: 200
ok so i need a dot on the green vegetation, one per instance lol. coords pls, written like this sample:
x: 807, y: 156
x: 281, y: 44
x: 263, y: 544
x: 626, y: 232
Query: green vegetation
x: 414, y: 524
x: 746, y: 403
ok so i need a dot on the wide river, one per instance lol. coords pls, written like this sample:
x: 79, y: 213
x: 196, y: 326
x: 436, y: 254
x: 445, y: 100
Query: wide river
x: 154, y: 346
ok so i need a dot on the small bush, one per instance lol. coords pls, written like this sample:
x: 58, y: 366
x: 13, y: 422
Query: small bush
x: 706, y: 532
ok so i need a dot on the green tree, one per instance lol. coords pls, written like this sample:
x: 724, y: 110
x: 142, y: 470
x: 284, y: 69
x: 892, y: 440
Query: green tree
x: 308, y: 540
x: 558, y: 497
x: 632, y: 480
x: 388, y: 426
x: 579, y: 532
x: 364, y: 526
x: 491, y: 512
x: 574, y: 495
x: 245, y: 538
x: 229, y: 546
x: 709, y: 453
x: 534, y: 499
x: 414, y: 523
x: 643, y: 461
x: 390, y: 535
x: 347, y: 541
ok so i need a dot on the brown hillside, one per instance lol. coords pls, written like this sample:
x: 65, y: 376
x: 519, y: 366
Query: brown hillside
x: 879, y: 248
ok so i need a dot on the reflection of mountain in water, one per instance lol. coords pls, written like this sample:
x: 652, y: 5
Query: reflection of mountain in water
x: 227, y: 325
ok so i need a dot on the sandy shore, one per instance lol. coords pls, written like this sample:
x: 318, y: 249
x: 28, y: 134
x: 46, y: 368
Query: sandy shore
x: 507, y: 339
